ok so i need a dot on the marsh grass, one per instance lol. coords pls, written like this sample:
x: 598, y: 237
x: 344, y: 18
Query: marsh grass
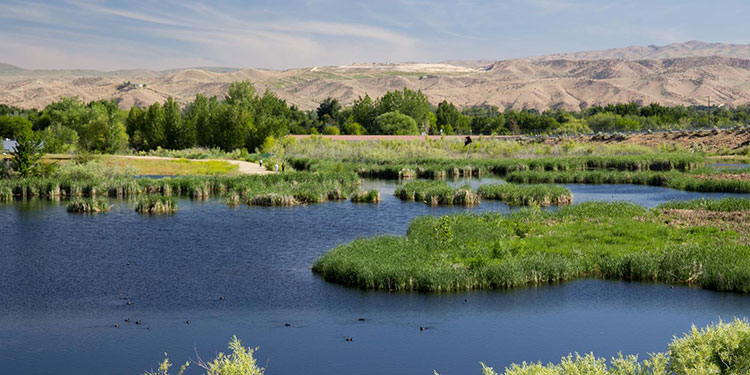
x: 491, y: 251
x: 673, y: 179
x: 88, y: 205
x: 370, y: 196
x: 398, y: 168
x: 96, y: 180
x: 156, y: 205
x: 436, y: 193
x: 517, y: 195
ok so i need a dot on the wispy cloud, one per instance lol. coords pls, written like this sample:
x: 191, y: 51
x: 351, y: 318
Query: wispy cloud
x: 285, y: 34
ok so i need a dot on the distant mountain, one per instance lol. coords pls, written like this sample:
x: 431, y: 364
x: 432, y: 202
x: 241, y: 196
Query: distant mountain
x: 692, y: 48
x: 7, y: 69
x: 685, y: 73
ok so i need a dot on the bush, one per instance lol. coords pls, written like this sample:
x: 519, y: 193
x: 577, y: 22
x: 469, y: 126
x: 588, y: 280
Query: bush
x: 396, y: 123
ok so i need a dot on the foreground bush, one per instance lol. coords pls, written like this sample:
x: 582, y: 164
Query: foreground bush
x: 721, y: 349
x: 239, y: 362
x: 594, y: 239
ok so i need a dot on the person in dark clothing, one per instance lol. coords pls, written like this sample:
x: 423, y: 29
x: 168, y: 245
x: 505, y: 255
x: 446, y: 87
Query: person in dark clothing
x: 283, y: 166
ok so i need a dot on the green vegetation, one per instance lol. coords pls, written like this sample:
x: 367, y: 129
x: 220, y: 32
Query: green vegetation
x: 453, y: 168
x: 88, y: 205
x: 515, y: 195
x: 370, y: 196
x: 26, y: 156
x: 243, y: 119
x: 674, y: 180
x: 722, y: 348
x: 491, y: 251
x: 239, y: 362
x: 717, y: 205
x: 94, y: 179
x: 436, y: 193
x: 156, y: 205
x: 451, y: 148
x: 167, y: 167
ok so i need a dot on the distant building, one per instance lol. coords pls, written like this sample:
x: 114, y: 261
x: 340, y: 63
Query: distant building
x: 9, y: 145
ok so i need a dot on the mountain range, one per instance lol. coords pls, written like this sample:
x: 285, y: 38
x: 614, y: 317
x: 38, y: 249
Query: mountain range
x: 680, y: 73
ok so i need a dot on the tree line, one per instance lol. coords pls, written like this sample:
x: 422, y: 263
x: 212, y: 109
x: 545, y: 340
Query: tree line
x: 245, y: 119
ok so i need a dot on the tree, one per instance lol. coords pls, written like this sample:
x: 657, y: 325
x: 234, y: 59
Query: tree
x: 411, y: 103
x: 153, y: 127
x: 104, y: 131
x: 364, y: 113
x: 330, y: 107
x: 69, y: 112
x: 272, y: 117
x: 396, y: 123
x: 173, y: 129
x: 240, y: 94
x: 26, y: 155
x: 231, y: 126
x: 134, y: 125
x: 15, y: 127
x: 447, y: 114
x: 58, y: 139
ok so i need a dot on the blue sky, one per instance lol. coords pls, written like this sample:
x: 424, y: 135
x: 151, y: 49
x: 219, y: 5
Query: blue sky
x: 285, y: 34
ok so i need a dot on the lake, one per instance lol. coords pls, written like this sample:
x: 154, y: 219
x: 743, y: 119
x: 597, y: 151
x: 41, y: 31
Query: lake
x: 66, y: 279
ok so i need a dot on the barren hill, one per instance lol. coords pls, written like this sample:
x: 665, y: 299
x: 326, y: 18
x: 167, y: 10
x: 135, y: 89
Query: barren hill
x: 684, y: 73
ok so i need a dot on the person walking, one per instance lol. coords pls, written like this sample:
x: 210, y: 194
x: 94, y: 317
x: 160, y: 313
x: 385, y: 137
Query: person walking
x: 261, y: 163
x: 283, y: 166
x: 276, y: 168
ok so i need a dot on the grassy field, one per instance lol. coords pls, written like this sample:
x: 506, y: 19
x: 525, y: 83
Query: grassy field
x: 605, y: 240
x: 149, y: 166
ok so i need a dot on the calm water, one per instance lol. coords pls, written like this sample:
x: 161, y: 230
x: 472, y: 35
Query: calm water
x: 64, y: 280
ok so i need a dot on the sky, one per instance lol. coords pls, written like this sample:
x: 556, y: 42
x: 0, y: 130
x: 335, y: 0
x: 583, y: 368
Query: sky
x: 166, y: 34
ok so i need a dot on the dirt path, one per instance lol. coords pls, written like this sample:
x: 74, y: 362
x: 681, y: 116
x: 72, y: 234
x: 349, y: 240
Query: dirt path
x: 244, y: 167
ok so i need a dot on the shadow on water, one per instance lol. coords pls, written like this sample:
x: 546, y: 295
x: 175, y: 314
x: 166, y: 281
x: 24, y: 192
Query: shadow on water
x: 65, y: 280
